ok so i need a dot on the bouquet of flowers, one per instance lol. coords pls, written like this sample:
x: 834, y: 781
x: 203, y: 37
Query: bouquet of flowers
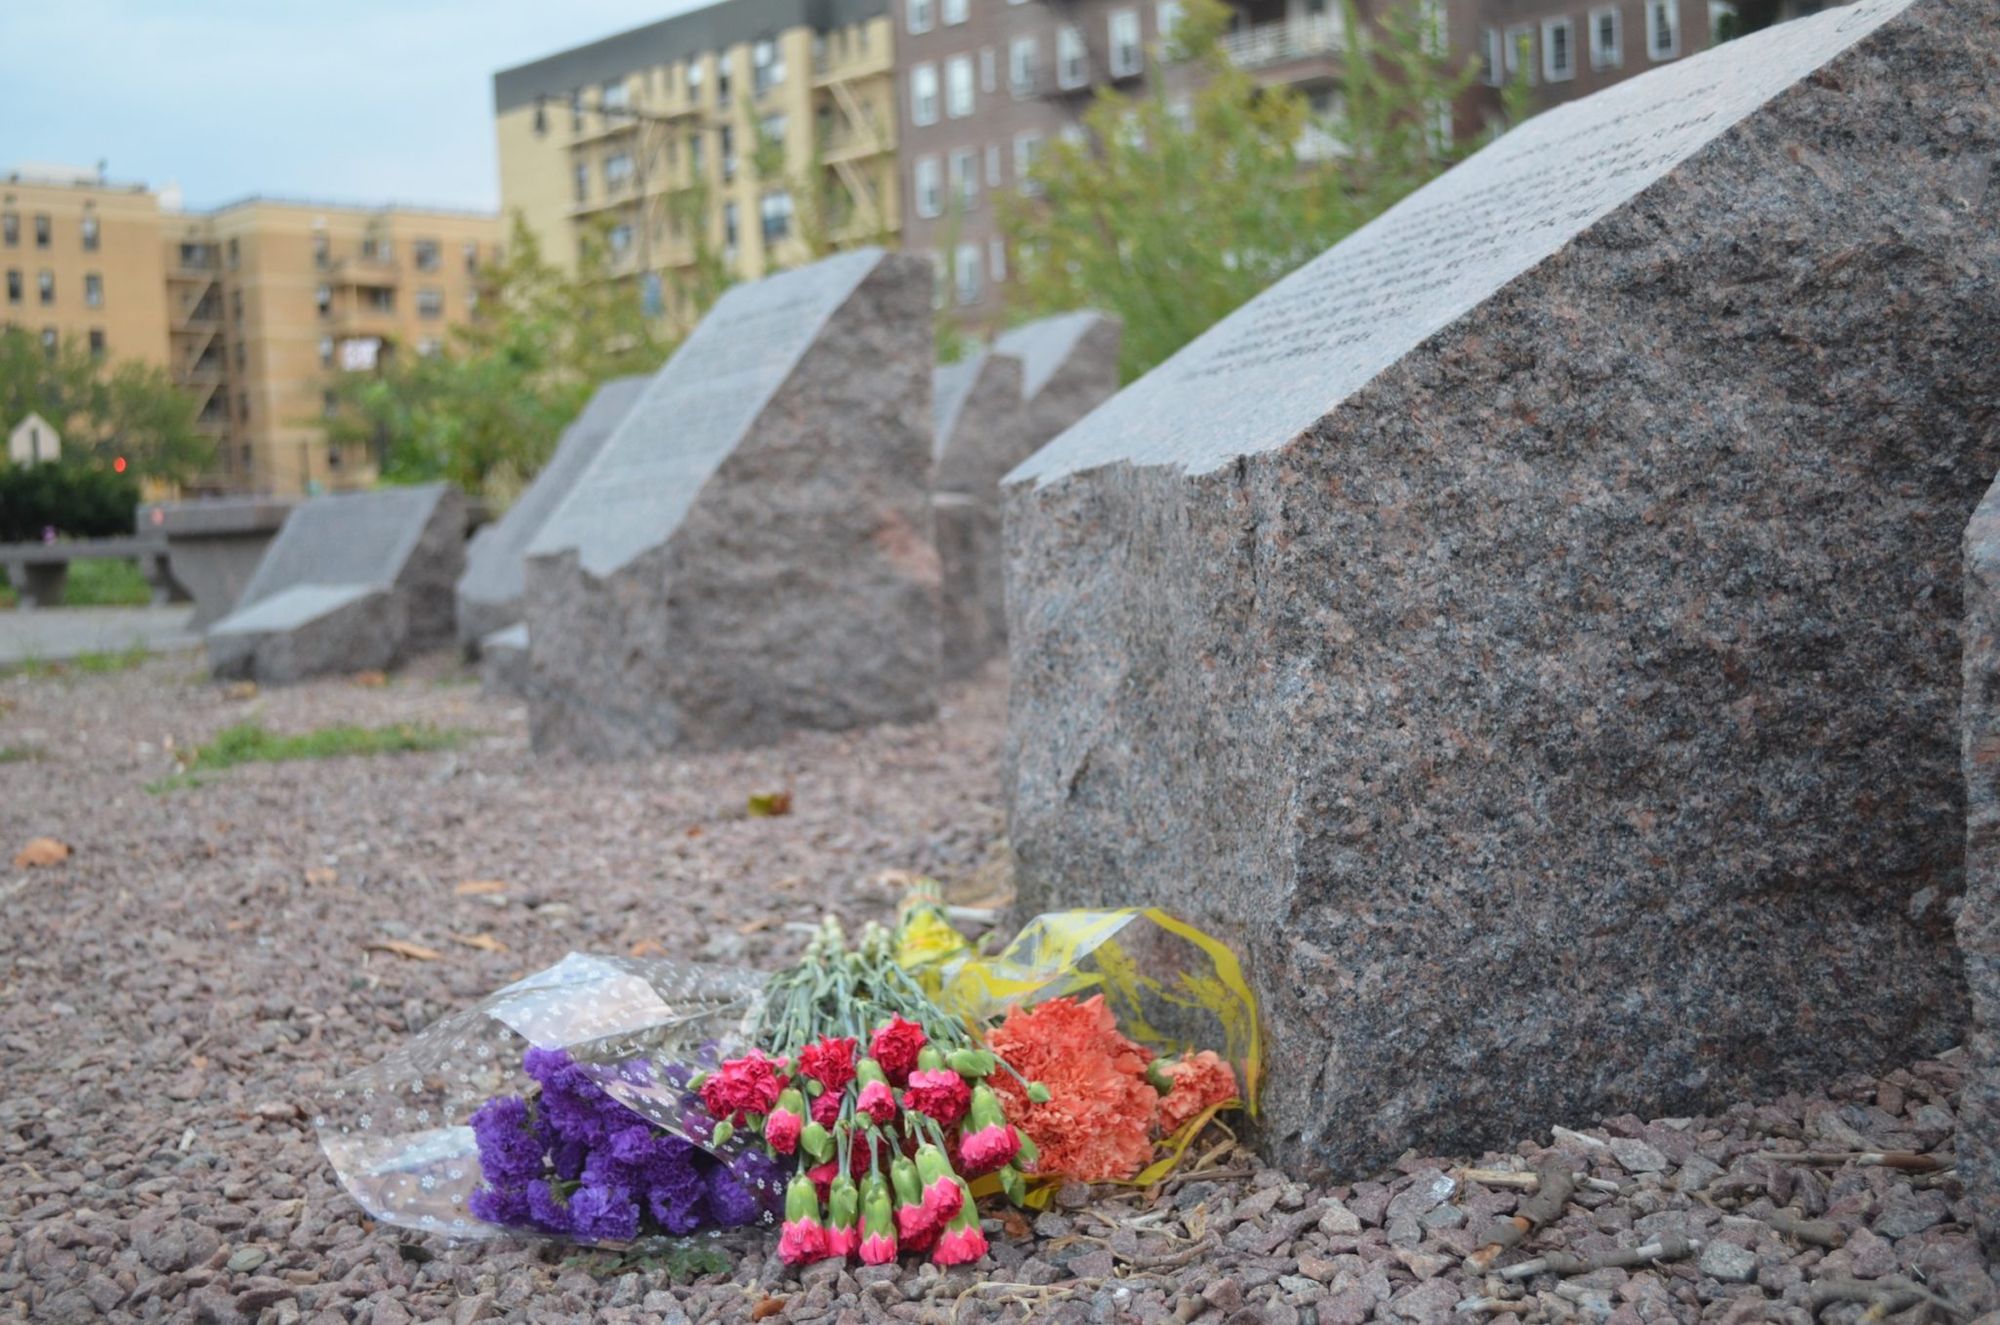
x: 871, y: 1092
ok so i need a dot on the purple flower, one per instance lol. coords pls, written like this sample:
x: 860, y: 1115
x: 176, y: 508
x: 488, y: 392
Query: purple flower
x: 544, y: 1064
x: 546, y: 1209
x: 507, y: 1206
x: 603, y: 1214
x: 679, y: 1210
x: 510, y: 1153
x: 743, y: 1190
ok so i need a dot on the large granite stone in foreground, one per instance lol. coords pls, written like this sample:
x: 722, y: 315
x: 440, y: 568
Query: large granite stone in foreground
x: 496, y: 573
x: 994, y: 410
x: 1978, y: 1143
x: 1531, y: 629
x: 751, y: 551
x: 353, y: 582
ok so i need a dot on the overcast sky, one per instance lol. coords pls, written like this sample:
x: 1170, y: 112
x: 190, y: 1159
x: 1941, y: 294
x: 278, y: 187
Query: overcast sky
x: 345, y: 100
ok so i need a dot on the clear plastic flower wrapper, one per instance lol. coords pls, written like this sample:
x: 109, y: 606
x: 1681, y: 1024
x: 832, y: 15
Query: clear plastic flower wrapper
x: 559, y: 1106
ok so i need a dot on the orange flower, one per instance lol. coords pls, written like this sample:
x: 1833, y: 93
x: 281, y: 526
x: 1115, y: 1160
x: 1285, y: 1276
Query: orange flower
x: 1200, y: 1080
x: 1098, y: 1121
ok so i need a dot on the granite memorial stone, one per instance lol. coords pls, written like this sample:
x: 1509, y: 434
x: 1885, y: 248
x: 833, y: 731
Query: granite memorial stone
x: 751, y: 550
x: 353, y: 581
x: 1531, y: 630
x: 1069, y: 366
x: 1978, y: 1144
x: 489, y: 593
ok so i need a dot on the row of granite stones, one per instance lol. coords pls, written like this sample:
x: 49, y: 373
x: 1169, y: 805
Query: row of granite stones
x: 1238, y: 1246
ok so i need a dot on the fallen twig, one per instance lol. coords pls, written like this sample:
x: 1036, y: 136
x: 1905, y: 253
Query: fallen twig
x: 1907, y: 1160
x: 1812, y: 1232
x: 1514, y: 1180
x: 1556, y: 1262
x: 1496, y: 1306
x: 1885, y: 1297
x: 1550, y: 1197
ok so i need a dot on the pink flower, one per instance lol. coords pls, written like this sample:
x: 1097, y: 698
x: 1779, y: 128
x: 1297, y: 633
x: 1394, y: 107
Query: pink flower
x: 942, y: 1095
x: 842, y: 1242
x: 913, y: 1221
x: 782, y: 1129
x: 991, y: 1147
x: 750, y: 1084
x: 802, y: 1242
x: 878, y: 1249
x: 942, y: 1199
x: 960, y: 1246
x: 826, y: 1109
x: 895, y: 1047
x: 878, y: 1102
x: 830, y: 1062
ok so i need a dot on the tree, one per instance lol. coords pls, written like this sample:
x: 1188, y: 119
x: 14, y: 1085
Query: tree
x: 484, y: 412
x: 1171, y: 217
x: 103, y: 409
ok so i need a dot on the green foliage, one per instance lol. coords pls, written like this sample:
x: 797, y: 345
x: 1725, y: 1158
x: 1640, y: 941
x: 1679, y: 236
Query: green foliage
x: 100, y: 664
x: 74, y: 497
x: 250, y: 742
x: 20, y: 754
x: 1171, y: 219
x: 681, y: 1260
x: 102, y: 408
x: 105, y: 583
x: 485, y: 411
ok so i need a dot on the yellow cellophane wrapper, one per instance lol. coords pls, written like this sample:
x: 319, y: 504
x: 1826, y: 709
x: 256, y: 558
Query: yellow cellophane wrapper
x: 1172, y: 988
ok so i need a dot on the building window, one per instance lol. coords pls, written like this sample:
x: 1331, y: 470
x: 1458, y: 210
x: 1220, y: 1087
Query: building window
x: 13, y: 285
x: 51, y: 341
x: 924, y: 94
x: 1558, y: 49
x: 90, y: 235
x: 966, y: 269
x: 378, y: 298
x: 1072, y: 60
x: 694, y: 155
x: 471, y: 257
x: 235, y: 253
x: 922, y: 16
x: 617, y: 172
x: 236, y: 306
x: 964, y: 168
x: 724, y: 66
x: 614, y: 95
x: 767, y: 66
x: 731, y: 230
x: 1126, y: 59
x: 45, y: 281
x: 989, y: 71
x: 582, y: 173
x: 1663, y: 29
x: 996, y: 258
x: 322, y: 253
x: 955, y: 11
x: 42, y: 232
x: 96, y: 343
x: 777, y: 210
x: 241, y: 354
x: 326, y: 351
x: 1026, y: 145
x: 93, y: 290
x: 993, y: 165
x: 1521, y: 53
x: 1493, y: 71
x: 725, y: 143
x: 1021, y: 67
x: 1606, y: 41
x: 958, y: 86
x: 930, y: 201
x: 428, y: 254
x: 10, y: 229
x: 322, y: 300
x: 771, y: 134
x: 243, y: 406
x: 694, y: 78
x: 429, y: 347
x: 430, y: 303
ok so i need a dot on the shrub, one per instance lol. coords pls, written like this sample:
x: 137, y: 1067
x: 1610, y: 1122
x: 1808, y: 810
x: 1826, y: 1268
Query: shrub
x: 77, y: 501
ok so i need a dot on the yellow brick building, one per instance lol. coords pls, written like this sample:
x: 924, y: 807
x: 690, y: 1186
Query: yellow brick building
x: 757, y: 131
x: 81, y: 258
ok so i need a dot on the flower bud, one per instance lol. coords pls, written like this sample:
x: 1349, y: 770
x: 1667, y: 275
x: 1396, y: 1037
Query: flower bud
x: 971, y: 1064
x: 1158, y: 1079
x: 929, y: 1059
x: 815, y: 1141
x: 1038, y: 1093
x: 843, y: 1221
x: 1030, y: 1154
x: 724, y: 1130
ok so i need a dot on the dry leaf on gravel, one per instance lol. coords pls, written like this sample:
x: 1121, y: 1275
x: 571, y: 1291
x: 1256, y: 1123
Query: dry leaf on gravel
x: 414, y: 951
x: 483, y: 942
x: 770, y: 804
x: 41, y: 851
x: 758, y: 925
x: 319, y: 876
x: 648, y: 948
x: 767, y: 1308
x: 241, y: 690
x: 480, y: 887
x: 371, y: 680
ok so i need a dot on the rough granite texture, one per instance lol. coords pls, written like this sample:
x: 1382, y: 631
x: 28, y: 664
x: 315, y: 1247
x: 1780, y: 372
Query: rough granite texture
x: 1979, y: 917
x: 751, y: 552
x: 993, y: 412
x: 1537, y: 644
x: 409, y: 543
x: 496, y: 573
x: 503, y: 661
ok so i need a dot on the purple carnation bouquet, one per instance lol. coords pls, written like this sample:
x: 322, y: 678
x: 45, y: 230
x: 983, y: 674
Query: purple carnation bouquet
x: 559, y: 1106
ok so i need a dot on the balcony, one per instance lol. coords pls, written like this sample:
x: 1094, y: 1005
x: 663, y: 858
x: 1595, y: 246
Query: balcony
x: 1263, y: 46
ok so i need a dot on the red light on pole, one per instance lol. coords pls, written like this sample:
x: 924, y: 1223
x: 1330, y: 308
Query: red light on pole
x: 118, y: 465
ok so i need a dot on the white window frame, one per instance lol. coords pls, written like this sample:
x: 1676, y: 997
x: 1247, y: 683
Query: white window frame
x: 1026, y: 147
x: 958, y: 85
x: 1672, y: 10
x: 968, y: 275
x: 1550, y: 71
x: 1517, y: 45
x: 1127, y: 56
x: 1607, y: 55
x: 962, y: 170
x: 1071, y: 50
x: 921, y: 15
x: 1166, y: 17
x: 924, y: 94
x: 1494, y: 54
x: 927, y: 188
x: 1023, y: 54
x: 954, y: 12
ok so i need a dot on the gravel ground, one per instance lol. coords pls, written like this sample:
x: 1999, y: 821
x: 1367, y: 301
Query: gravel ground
x: 174, y: 994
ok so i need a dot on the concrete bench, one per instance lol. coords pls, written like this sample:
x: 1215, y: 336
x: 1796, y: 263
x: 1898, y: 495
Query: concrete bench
x: 38, y: 571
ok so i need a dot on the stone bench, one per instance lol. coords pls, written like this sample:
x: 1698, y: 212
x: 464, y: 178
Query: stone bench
x: 38, y: 571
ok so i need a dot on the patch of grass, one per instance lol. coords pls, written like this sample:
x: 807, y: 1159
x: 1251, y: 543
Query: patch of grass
x: 19, y: 754
x: 124, y: 660
x: 105, y: 583
x: 251, y: 743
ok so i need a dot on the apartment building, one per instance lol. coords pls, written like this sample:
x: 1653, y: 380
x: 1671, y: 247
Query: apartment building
x: 759, y: 131
x: 270, y: 298
x: 1565, y: 49
x: 81, y: 258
